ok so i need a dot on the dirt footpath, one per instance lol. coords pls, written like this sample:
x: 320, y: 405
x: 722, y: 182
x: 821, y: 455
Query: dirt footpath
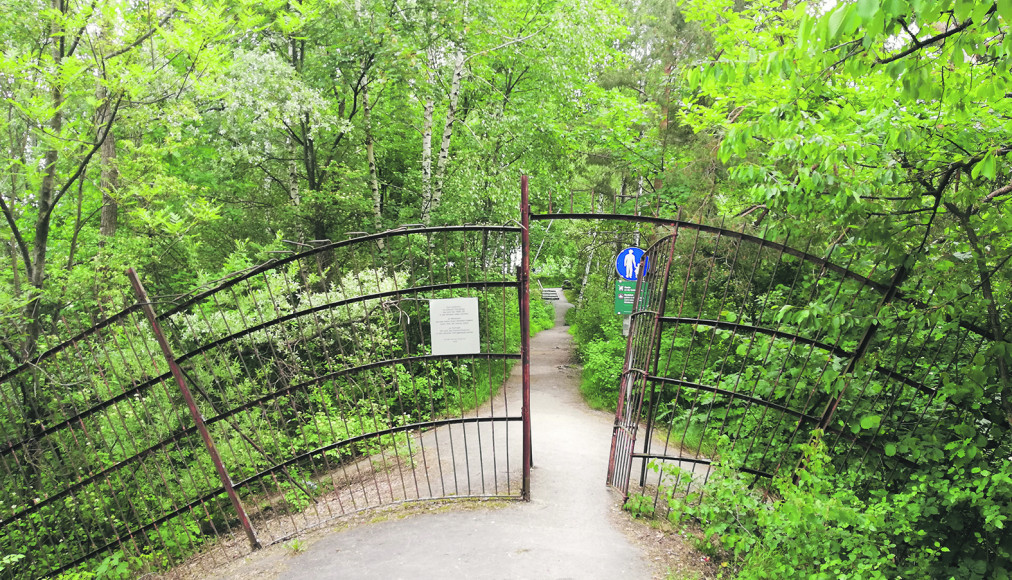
x: 572, y: 527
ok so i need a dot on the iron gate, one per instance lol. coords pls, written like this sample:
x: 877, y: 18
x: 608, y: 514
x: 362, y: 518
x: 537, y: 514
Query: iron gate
x: 746, y: 344
x: 304, y: 389
x: 742, y: 347
x: 313, y: 394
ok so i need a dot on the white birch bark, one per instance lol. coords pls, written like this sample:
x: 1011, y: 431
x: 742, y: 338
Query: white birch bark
x: 430, y: 105
x: 586, y: 270
x: 444, y: 146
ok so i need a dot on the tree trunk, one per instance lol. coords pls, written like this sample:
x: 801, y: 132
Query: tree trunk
x: 14, y: 268
x: 444, y: 146
x: 31, y: 399
x: 665, y: 114
x: 586, y: 270
x: 427, y: 155
x: 293, y: 171
x: 37, y: 269
x: 15, y: 273
x: 377, y: 201
x: 109, y: 179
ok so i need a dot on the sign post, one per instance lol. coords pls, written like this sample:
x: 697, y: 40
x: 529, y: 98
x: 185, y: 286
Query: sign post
x: 627, y: 264
x: 629, y: 267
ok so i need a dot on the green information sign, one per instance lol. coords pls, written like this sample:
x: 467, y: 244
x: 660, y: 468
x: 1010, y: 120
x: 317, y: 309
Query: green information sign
x: 625, y: 293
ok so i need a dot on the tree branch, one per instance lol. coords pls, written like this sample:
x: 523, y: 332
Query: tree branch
x: 919, y: 44
x: 81, y: 30
x: 144, y: 36
x: 22, y: 246
x: 1000, y: 191
x: 993, y: 315
x: 505, y: 44
x: 104, y: 133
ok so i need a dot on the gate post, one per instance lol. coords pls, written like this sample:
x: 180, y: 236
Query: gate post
x: 226, y: 481
x: 525, y: 331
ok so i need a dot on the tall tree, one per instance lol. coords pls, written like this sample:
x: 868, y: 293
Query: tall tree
x: 56, y: 127
x: 890, y: 122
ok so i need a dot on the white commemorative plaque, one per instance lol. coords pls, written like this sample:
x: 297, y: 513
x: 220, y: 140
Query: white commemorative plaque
x: 453, y: 323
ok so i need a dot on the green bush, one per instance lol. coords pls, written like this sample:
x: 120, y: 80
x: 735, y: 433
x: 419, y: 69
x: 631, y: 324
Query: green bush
x: 542, y: 316
x: 602, y: 367
x: 597, y: 332
x: 833, y: 525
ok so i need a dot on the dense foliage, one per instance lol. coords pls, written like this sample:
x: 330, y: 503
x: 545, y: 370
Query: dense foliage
x: 190, y: 140
x: 881, y: 126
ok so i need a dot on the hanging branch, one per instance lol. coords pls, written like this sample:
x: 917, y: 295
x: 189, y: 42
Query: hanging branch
x: 993, y: 316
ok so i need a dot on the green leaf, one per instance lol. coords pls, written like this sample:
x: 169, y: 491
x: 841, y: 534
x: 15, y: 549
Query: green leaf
x: 836, y: 20
x: 890, y: 450
x: 986, y: 167
x: 867, y: 9
x: 1005, y: 11
x: 964, y: 8
x: 980, y: 11
x: 871, y: 421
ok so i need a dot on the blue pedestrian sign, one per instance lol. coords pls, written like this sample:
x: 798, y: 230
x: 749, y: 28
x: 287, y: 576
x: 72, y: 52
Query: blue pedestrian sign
x: 627, y: 264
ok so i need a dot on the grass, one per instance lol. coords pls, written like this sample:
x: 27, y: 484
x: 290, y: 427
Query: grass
x: 296, y: 546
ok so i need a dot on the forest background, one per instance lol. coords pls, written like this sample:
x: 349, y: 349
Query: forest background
x: 188, y: 140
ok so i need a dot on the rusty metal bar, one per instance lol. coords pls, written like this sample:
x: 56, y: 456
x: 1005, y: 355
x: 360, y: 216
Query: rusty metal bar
x: 525, y: 330
x: 274, y: 264
x: 704, y: 228
x: 226, y: 481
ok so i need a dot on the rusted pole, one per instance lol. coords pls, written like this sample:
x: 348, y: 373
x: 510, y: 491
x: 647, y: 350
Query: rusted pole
x: 177, y: 373
x: 525, y: 329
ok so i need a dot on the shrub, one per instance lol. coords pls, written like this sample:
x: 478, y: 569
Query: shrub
x: 824, y: 525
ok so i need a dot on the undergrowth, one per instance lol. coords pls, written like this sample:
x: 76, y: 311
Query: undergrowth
x: 822, y: 524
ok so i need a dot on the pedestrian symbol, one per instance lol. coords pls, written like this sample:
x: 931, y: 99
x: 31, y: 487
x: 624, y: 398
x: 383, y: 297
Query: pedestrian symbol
x: 628, y: 262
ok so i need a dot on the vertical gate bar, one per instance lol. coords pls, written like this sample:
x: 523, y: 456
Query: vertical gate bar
x: 525, y: 330
x: 655, y: 349
x: 226, y: 481
x: 624, y: 385
x: 507, y: 261
x: 820, y: 335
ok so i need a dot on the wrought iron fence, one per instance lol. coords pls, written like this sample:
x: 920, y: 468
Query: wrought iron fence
x: 743, y: 346
x: 313, y: 391
x: 311, y: 375
x: 744, y: 342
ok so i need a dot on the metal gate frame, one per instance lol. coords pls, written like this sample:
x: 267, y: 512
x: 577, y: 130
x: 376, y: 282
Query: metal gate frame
x: 289, y: 307
x: 899, y: 385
